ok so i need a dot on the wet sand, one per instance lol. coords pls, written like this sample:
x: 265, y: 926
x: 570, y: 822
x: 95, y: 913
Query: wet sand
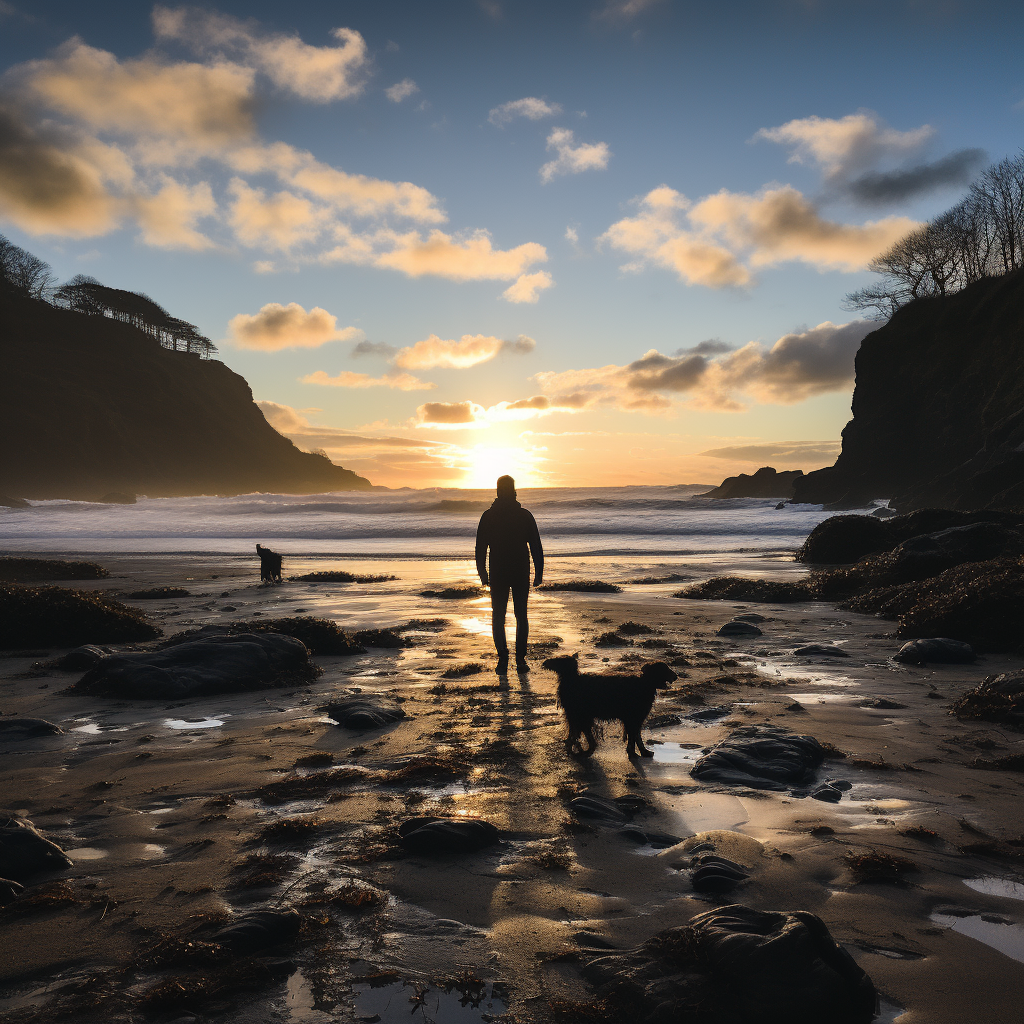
x: 158, y: 805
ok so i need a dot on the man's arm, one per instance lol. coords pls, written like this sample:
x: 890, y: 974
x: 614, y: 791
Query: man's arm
x: 482, y: 540
x: 536, y: 550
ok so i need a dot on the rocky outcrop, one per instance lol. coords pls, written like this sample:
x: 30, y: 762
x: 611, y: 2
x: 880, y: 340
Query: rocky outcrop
x: 94, y: 409
x: 938, y: 409
x: 765, y: 483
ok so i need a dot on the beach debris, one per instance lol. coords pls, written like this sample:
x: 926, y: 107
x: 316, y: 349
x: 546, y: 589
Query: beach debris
x: 940, y: 650
x: 81, y: 658
x: 24, y: 851
x: 582, y: 587
x: 364, y: 711
x: 881, y: 704
x: 259, y: 930
x: 999, y: 698
x: 43, y: 570
x: 158, y: 593
x: 460, y: 671
x: 612, y: 639
x: 735, y: 964
x: 820, y: 651
x: 874, y: 866
x: 60, y: 617
x: 9, y: 890
x: 220, y: 663
x: 635, y: 629
x: 29, y: 727
x: 739, y: 627
x: 437, y: 836
x: 761, y: 757
x: 339, y: 576
x: 459, y: 593
x: 321, y: 636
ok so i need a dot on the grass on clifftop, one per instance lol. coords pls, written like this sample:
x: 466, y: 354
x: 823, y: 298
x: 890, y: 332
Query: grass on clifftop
x: 43, y: 570
x: 60, y: 617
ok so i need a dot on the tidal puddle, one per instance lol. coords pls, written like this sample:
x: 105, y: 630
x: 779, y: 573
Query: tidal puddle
x: 94, y: 728
x: 472, y: 1002
x: 888, y: 1013
x: 1005, y: 937
x: 194, y: 723
x: 992, y: 886
x: 84, y: 853
x: 475, y: 625
x: 702, y: 812
x: 676, y: 753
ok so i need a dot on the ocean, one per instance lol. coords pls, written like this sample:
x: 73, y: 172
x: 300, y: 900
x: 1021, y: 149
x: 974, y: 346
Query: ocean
x: 440, y: 523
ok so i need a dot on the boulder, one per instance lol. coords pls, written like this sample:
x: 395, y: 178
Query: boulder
x: 439, y: 836
x: 82, y: 658
x: 940, y: 650
x: 820, y: 651
x: 364, y: 711
x: 739, y: 627
x: 9, y: 891
x: 734, y: 965
x: 18, y: 727
x: 25, y: 852
x: 998, y: 699
x: 715, y: 874
x: 608, y: 812
x: 259, y: 930
x: 761, y: 757
x: 643, y: 837
x: 215, y: 664
x: 765, y: 483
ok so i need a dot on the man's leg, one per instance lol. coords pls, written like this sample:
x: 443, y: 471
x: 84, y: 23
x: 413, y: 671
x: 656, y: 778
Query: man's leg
x: 520, y: 596
x: 499, y: 606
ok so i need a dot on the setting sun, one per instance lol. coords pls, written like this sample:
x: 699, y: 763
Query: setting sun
x: 484, y: 464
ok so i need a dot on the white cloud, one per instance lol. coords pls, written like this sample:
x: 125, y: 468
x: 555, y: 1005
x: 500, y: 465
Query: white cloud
x: 277, y: 327
x: 168, y: 217
x: 471, y: 258
x: 571, y: 159
x: 348, y: 379
x: 624, y: 10
x: 451, y: 415
x: 317, y: 73
x: 469, y: 350
x: 529, y: 107
x: 528, y: 287
x: 842, y: 146
x: 401, y: 90
x: 716, y: 241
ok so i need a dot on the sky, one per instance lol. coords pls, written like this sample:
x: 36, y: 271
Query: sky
x: 589, y: 243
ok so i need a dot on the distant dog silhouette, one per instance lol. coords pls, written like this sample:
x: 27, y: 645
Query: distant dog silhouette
x: 587, y: 699
x: 270, y: 565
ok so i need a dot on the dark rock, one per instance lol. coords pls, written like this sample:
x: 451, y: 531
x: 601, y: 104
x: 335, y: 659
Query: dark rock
x: 735, y: 965
x: 29, y: 727
x: 709, y: 714
x: 364, y: 711
x: 591, y: 940
x: 454, y: 593
x: 1008, y: 683
x: 882, y: 704
x: 739, y: 627
x: 820, y: 651
x: 736, y: 588
x: 761, y: 757
x: 9, y: 891
x: 940, y: 650
x: 44, y: 570
x: 843, y: 785
x: 610, y: 812
x: 612, y: 639
x: 781, y: 505
x: 642, y: 837
x: 845, y: 539
x: 437, y: 836
x: 215, y: 664
x: 884, y: 513
x: 828, y: 794
x: 765, y: 483
x: 998, y: 699
x: 715, y: 874
x: 82, y: 658
x: 259, y: 930
x: 25, y: 852
x: 8, y: 502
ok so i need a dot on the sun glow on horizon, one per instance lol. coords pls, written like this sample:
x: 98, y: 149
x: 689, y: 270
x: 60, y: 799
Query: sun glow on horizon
x: 483, y: 464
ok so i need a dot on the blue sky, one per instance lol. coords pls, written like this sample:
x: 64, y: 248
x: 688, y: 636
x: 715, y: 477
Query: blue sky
x: 202, y: 143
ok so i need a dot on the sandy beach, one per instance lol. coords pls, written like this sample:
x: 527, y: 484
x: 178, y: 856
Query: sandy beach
x: 164, y: 809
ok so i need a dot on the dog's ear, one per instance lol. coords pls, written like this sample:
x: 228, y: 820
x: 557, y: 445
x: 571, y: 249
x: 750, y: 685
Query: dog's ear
x: 576, y: 656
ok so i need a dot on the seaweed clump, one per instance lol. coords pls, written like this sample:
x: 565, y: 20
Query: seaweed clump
x: 880, y: 867
x: 61, y: 617
x: 340, y: 576
x: 43, y: 570
x: 583, y: 587
x: 158, y: 593
x: 998, y: 699
x: 458, y: 593
x: 737, y: 588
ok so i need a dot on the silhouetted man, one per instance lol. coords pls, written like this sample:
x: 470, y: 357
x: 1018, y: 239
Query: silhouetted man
x: 510, y: 531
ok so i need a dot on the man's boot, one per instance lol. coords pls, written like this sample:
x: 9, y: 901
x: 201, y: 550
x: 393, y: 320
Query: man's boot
x: 502, y: 667
x: 521, y: 663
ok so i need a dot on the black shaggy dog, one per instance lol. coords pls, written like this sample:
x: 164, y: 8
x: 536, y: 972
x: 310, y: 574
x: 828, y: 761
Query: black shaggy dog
x: 270, y: 565
x: 587, y: 699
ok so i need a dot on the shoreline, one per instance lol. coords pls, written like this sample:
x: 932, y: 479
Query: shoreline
x: 159, y: 855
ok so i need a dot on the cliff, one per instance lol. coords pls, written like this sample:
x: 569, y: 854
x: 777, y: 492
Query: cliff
x: 938, y: 408
x: 765, y: 483
x: 90, y: 406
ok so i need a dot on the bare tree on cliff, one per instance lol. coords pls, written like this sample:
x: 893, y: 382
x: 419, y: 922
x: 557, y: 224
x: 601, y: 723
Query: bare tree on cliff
x: 23, y: 271
x: 982, y: 236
